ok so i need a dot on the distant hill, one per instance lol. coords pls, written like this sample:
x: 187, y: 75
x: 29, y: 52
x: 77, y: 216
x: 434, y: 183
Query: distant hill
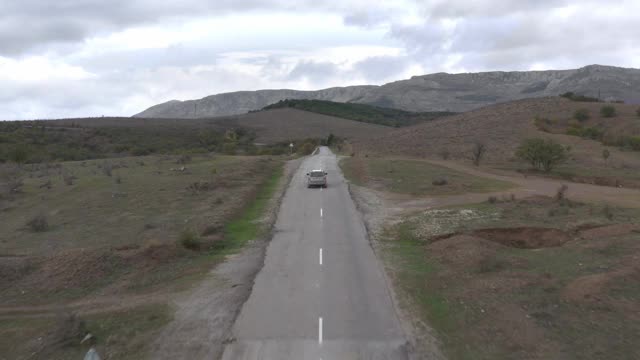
x: 502, y: 128
x: 276, y: 125
x: 359, y: 112
x: 427, y: 93
x: 268, y: 127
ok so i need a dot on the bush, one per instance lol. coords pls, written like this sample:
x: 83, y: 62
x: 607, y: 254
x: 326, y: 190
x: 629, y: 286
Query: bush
x: 542, y: 154
x: 608, y: 111
x: 184, y: 159
x: 444, y: 154
x: 581, y: 115
x: 638, y: 112
x: 229, y: 148
x: 190, y: 240
x: 492, y: 199
x: 306, y: 148
x: 107, y: 169
x: 477, y: 152
x: 439, y: 182
x: 561, y: 193
x: 39, y: 223
x: 588, y: 132
x: 543, y: 124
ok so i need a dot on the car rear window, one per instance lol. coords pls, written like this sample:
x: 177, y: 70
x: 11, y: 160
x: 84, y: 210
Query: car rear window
x: 317, y: 173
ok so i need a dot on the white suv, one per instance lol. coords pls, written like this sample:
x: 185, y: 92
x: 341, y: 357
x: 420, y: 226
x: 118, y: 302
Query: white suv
x: 317, y: 178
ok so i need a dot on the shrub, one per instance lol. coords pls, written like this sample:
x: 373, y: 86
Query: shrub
x: 542, y: 154
x: 606, y: 211
x: 184, y: 159
x: 444, y: 154
x: 605, y: 154
x: 306, y: 148
x: 477, y: 152
x: 608, y: 111
x: 107, y: 169
x: 190, y: 240
x: 588, y: 132
x: 638, y: 112
x: 68, y: 179
x: 39, y: 223
x: 543, y: 124
x: 561, y: 193
x: 229, y: 148
x: 439, y: 182
x: 492, y: 199
x: 581, y: 115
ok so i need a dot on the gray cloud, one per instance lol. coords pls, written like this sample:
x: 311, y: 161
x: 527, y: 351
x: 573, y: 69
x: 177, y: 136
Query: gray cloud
x: 438, y: 35
x: 314, y: 71
x: 382, y: 68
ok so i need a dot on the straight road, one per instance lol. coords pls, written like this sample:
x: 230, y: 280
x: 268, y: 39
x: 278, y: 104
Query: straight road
x: 321, y: 293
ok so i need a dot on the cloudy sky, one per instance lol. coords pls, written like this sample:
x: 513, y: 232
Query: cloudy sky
x: 69, y: 58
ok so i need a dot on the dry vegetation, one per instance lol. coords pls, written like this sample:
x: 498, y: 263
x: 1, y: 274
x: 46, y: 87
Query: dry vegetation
x: 539, y: 278
x: 503, y: 127
x: 114, y: 244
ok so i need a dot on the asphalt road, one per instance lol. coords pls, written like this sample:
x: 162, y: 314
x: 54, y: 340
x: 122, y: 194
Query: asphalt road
x: 321, y: 293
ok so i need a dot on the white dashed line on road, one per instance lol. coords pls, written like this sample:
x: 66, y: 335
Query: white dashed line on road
x: 320, y: 256
x: 320, y: 212
x: 320, y: 330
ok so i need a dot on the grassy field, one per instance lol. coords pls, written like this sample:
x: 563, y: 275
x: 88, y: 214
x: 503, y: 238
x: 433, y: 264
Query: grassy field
x: 134, y: 230
x: 535, y: 278
x: 415, y: 177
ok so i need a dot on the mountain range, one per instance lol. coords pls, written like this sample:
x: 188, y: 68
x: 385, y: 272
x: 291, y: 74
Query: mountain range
x: 432, y: 92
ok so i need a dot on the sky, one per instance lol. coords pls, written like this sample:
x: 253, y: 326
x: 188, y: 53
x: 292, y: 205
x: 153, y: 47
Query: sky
x: 78, y: 58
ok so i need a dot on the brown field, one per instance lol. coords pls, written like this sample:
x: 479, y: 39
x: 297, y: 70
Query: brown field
x: 502, y: 128
x: 116, y: 240
x: 535, y: 278
x: 270, y: 126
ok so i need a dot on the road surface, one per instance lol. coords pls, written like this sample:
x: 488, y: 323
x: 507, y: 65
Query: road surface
x: 321, y: 293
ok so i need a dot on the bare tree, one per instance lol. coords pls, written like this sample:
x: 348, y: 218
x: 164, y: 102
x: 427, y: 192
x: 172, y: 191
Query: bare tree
x: 477, y: 152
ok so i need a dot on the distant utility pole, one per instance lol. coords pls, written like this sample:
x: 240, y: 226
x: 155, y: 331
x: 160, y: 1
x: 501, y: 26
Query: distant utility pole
x: 195, y: 109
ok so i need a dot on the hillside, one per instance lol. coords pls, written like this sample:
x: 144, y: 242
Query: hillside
x: 272, y: 126
x: 502, y: 127
x: 244, y: 101
x: 359, y: 112
x: 433, y: 92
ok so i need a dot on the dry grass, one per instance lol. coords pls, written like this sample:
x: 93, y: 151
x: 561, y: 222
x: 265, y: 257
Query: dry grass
x: 107, y: 239
x: 502, y: 128
x: 505, y: 281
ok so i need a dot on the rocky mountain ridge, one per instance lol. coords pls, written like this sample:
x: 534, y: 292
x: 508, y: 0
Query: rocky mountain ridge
x: 432, y: 92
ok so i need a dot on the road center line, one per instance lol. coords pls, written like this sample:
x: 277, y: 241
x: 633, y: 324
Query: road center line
x: 320, y: 212
x: 320, y: 256
x: 320, y: 330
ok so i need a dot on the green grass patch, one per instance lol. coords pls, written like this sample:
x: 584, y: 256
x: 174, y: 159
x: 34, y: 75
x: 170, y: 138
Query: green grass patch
x: 247, y: 226
x: 416, y: 177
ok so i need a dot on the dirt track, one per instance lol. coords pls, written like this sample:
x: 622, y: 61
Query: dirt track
x: 528, y: 186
